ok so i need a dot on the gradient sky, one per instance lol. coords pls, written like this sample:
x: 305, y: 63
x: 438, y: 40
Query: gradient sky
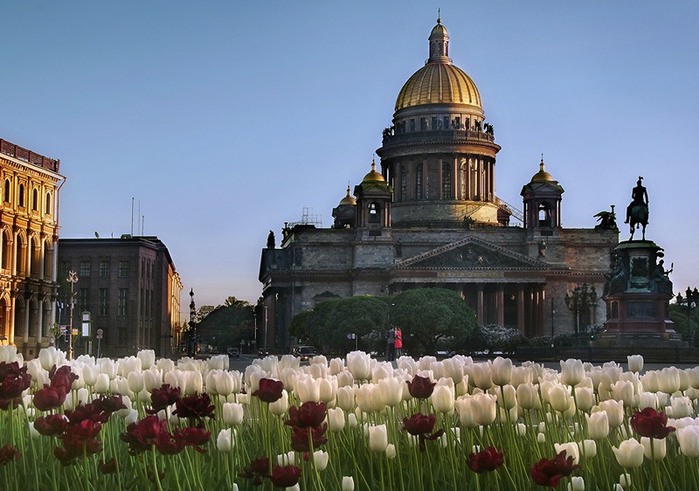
x: 226, y: 119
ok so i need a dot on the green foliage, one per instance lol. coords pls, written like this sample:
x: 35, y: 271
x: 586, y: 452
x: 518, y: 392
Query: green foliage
x: 679, y: 315
x: 430, y: 315
x: 328, y: 325
x: 228, y: 324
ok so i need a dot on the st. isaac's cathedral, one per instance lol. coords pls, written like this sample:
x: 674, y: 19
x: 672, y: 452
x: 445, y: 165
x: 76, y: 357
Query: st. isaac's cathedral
x: 427, y: 216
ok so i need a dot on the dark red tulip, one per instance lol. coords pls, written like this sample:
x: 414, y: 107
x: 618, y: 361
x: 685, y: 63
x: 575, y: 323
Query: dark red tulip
x: 51, y: 425
x: 309, y: 415
x: 8, y: 453
x: 547, y: 472
x: 285, y: 476
x: 257, y: 470
x: 419, y: 424
x: 421, y: 387
x: 485, y: 460
x: 270, y: 390
x: 194, y: 407
x: 651, y: 423
x: 108, y: 467
x: 300, y: 441
x: 62, y: 377
x: 163, y: 397
x: 49, y: 397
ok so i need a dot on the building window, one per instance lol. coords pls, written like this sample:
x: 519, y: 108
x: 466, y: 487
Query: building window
x: 434, y: 122
x: 122, y: 337
x: 418, y: 182
x: 35, y: 200
x: 403, y: 183
x: 6, y: 196
x: 121, y: 306
x: 123, y: 269
x: 105, y: 269
x: 21, y: 195
x: 412, y: 125
x: 445, y: 122
x: 84, y: 268
x: 84, y: 298
x: 457, y: 122
x: 104, y: 301
x: 48, y: 203
x: 446, y: 181
x: 423, y: 124
x: 374, y: 213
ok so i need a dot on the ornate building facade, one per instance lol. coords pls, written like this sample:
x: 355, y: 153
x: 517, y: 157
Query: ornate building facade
x: 29, y: 185
x: 130, y: 288
x: 430, y: 217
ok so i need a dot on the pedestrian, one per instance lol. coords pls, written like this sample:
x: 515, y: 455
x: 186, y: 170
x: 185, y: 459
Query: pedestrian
x: 390, y: 345
x: 397, y: 342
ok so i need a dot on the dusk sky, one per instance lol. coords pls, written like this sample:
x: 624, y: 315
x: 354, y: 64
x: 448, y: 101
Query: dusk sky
x: 225, y: 119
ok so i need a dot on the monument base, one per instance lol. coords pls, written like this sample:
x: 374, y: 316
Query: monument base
x: 616, y: 339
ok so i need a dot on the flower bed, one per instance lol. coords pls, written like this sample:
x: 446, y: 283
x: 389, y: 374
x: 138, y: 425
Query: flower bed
x: 353, y: 423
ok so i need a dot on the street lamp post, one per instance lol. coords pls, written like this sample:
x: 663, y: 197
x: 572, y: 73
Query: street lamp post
x: 265, y: 325
x: 192, y: 325
x: 72, y: 279
x: 553, y: 313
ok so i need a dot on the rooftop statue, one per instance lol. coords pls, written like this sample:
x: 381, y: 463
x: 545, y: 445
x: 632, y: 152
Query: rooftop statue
x: 607, y: 221
x: 637, y: 211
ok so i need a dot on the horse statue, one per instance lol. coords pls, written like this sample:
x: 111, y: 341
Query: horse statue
x: 638, y: 218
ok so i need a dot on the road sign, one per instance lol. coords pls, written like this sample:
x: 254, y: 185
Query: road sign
x: 100, y: 333
x: 75, y: 331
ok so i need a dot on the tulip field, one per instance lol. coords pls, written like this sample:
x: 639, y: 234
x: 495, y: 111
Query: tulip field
x: 353, y: 423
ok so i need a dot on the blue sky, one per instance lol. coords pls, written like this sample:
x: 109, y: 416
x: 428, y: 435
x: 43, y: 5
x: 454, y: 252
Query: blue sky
x: 224, y: 120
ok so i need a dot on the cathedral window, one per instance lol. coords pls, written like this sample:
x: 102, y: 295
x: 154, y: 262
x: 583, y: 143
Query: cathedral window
x: 457, y: 122
x: 374, y: 213
x: 434, y: 122
x: 423, y: 124
x: 445, y: 122
x: 418, y: 182
x: 48, y: 203
x: 35, y: 200
x: 403, y: 183
x: 446, y: 181
x: 544, y: 215
x: 21, y: 195
x: 6, y: 194
x: 412, y: 125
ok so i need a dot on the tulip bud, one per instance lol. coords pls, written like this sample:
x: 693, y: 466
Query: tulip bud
x: 391, y: 451
x: 320, y: 459
x: 625, y: 480
x: 688, y: 438
x: 541, y: 438
x: 614, y: 410
x: 629, y: 454
x: 571, y: 449
x: 635, y: 363
x: 572, y: 372
x: 577, y: 483
x: 359, y: 365
x: 597, y: 425
x: 347, y: 483
x: 232, y: 413
x: 528, y: 396
x: 669, y: 380
x: 224, y: 440
x: 281, y: 405
x: 654, y: 448
x: 559, y: 398
x: 336, y: 419
x: 584, y: 398
x: 443, y: 399
x: 378, y: 438
x: 588, y: 448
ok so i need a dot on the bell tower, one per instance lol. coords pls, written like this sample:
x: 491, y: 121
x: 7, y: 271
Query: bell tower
x: 373, y: 201
x: 542, y: 204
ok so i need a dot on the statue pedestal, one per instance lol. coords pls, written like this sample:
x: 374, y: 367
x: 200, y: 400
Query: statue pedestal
x: 637, y: 294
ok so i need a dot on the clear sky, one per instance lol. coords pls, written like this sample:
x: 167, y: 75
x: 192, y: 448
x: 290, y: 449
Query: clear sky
x: 225, y: 119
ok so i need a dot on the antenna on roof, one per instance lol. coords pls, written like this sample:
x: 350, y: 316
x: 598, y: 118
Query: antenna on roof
x: 439, y: 16
x: 97, y: 235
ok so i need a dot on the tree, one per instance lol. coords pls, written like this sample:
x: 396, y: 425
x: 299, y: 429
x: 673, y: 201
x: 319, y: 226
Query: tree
x: 430, y: 315
x: 227, y: 325
x: 329, y: 323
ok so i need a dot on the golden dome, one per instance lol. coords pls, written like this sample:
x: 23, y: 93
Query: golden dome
x: 438, y: 83
x: 373, y: 176
x: 349, y: 199
x: 542, y: 175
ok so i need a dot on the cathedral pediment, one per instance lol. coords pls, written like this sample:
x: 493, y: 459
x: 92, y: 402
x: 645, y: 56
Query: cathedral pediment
x: 471, y: 253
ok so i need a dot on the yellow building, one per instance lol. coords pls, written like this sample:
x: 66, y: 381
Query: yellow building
x: 29, y: 189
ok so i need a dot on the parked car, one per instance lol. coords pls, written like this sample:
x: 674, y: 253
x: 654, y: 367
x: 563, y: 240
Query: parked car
x: 305, y: 352
x: 234, y: 352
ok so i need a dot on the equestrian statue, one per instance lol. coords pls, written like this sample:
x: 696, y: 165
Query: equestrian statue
x: 637, y: 211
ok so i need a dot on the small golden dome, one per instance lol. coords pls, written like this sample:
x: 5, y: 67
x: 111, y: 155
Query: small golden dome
x: 439, y: 30
x: 373, y: 176
x: 349, y: 199
x: 542, y: 175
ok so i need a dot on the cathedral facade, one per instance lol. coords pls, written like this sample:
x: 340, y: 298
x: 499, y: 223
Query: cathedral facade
x: 427, y: 216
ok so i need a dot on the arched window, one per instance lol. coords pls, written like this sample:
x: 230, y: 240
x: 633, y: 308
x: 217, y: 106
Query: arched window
x: 20, y: 201
x: 544, y: 215
x: 374, y: 213
x: 447, y: 192
x: 418, y: 182
x: 6, y: 194
x: 6, y: 250
x: 35, y: 200
x: 47, y: 206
